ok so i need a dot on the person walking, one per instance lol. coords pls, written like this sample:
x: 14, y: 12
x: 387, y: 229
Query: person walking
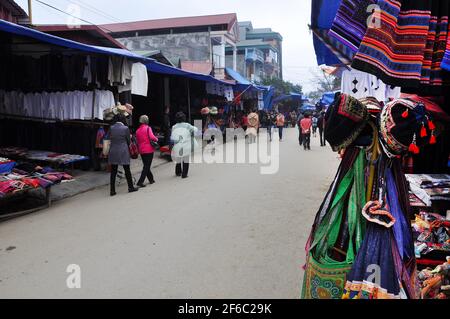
x: 306, y: 124
x: 280, y: 122
x: 300, y: 135
x: 253, y: 126
x: 314, y: 125
x: 321, y: 127
x: 145, y: 137
x: 119, y: 152
x: 182, y: 136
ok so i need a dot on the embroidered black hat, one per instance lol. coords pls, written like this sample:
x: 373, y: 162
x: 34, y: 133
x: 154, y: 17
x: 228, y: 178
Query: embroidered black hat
x: 344, y: 121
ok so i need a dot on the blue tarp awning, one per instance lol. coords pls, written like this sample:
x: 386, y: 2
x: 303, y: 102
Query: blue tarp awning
x: 323, y: 13
x: 292, y: 96
x: 237, y: 77
x: 19, y: 30
x: 327, y: 98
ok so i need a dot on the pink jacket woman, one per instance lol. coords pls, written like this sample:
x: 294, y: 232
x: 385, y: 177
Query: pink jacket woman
x: 144, y: 135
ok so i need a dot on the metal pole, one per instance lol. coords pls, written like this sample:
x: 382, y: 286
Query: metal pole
x: 189, y: 98
x: 93, y: 106
x: 30, y: 12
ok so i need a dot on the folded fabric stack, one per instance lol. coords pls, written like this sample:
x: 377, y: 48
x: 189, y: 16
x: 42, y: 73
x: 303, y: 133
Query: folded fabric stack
x: 432, y: 238
x: 435, y: 283
x: 6, y: 165
x: 54, y: 157
x: 26, y: 177
x: 13, y: 152
x: 429, y: 188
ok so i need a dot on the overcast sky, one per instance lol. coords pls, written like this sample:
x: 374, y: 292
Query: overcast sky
x: 288, y: 17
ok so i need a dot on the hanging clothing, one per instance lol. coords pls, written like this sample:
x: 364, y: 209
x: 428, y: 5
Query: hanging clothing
x: 139, y: 79
x: 394, y: 50
x: 350, y: 23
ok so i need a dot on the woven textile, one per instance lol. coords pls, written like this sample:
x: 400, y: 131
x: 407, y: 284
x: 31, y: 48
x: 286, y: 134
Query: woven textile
x: 350, y: 23
x: 436, y: 43
x: 394, y: 50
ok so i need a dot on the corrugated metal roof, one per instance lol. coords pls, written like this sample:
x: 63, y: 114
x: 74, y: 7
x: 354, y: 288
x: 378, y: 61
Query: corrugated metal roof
x: 197, y: 67
x: 95, y: 31
x: 229, y: 19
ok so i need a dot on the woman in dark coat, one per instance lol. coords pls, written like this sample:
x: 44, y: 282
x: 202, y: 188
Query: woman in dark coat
x: 119, y: 153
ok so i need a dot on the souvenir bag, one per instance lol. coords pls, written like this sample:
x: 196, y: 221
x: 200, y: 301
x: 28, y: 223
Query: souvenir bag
x: 325, y: 275
x: 134, y: 151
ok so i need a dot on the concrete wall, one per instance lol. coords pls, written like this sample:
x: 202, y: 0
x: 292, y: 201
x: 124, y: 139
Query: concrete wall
x: 185, y: 46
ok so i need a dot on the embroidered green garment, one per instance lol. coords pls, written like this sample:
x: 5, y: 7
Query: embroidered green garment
x: 325, y: 276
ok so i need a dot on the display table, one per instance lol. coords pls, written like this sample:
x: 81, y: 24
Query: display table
x: 18, y: 186
x: 57, y: 160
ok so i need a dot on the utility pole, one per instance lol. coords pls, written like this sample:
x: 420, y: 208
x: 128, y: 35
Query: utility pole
x: 30, y: 12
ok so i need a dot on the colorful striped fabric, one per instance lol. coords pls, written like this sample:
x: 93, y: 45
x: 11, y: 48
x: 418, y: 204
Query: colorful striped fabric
x: 436, y: 43
x: 394, y: 50
x: 350, y: 23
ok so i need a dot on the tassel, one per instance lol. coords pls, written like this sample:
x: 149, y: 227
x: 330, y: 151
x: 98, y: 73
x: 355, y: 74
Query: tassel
x: 413, y: 148
x: 431, y: 125
x: 432, y: 139
x: 405, y: 114
x: 423, y: 131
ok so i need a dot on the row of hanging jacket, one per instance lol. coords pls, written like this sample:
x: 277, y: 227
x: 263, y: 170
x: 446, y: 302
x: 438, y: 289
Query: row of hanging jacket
x: 401, y: 42
x: 361, y: 244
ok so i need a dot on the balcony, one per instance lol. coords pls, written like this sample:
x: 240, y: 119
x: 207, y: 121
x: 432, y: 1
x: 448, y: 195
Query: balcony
x: 254, y: 55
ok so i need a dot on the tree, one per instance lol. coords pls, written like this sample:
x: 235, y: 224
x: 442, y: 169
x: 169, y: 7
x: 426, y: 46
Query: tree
x: 324, y: 83
x: 282, y: 87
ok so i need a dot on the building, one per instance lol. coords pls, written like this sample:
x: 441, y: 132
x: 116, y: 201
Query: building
x: 260, y: 53
x: 195, y: 43
x: 12, y: 12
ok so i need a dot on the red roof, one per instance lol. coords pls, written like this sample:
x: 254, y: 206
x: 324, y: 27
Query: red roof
x: 229, y: 19
x: 97, y: 35
x: 197, y: 67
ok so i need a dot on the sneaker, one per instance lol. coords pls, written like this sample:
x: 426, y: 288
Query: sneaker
x: 140, y: 185
x: 133, y: 190
x: 113, y: 194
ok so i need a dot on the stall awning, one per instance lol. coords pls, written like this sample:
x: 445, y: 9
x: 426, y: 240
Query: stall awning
x: 237, y: 77
x: 323, y: 13
x: 19, y: 30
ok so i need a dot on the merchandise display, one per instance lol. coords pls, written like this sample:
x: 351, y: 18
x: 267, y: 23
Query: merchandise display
x: 27, y: 176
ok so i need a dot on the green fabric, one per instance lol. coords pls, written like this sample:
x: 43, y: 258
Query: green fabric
x: 324, y: 273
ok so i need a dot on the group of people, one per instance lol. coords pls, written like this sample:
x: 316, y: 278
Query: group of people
x: 120, y: 140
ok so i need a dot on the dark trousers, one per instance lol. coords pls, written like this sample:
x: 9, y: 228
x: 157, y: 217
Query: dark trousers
x: 322, y: 137
x: 146, y: 170
x: 300, y: 137
x: 307, y: 141
x: 127, y: 170
x: 280, y: 132
x: 182, y: 167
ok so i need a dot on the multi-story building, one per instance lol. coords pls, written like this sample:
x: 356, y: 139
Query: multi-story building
x: 259, y: 54
x: 197, y: 44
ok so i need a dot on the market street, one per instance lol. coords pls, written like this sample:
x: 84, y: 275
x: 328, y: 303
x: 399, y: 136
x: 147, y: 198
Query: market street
x: 225, y: 232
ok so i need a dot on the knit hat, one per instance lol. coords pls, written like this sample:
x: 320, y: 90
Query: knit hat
x: 405, y: 126
x: 344, y: 121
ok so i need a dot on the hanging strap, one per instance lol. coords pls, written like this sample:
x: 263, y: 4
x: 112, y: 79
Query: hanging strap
x: 328, y: 231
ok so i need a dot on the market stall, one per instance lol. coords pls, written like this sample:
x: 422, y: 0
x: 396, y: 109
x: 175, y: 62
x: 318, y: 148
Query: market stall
x: 53, y: 96
x: 377, y: 227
